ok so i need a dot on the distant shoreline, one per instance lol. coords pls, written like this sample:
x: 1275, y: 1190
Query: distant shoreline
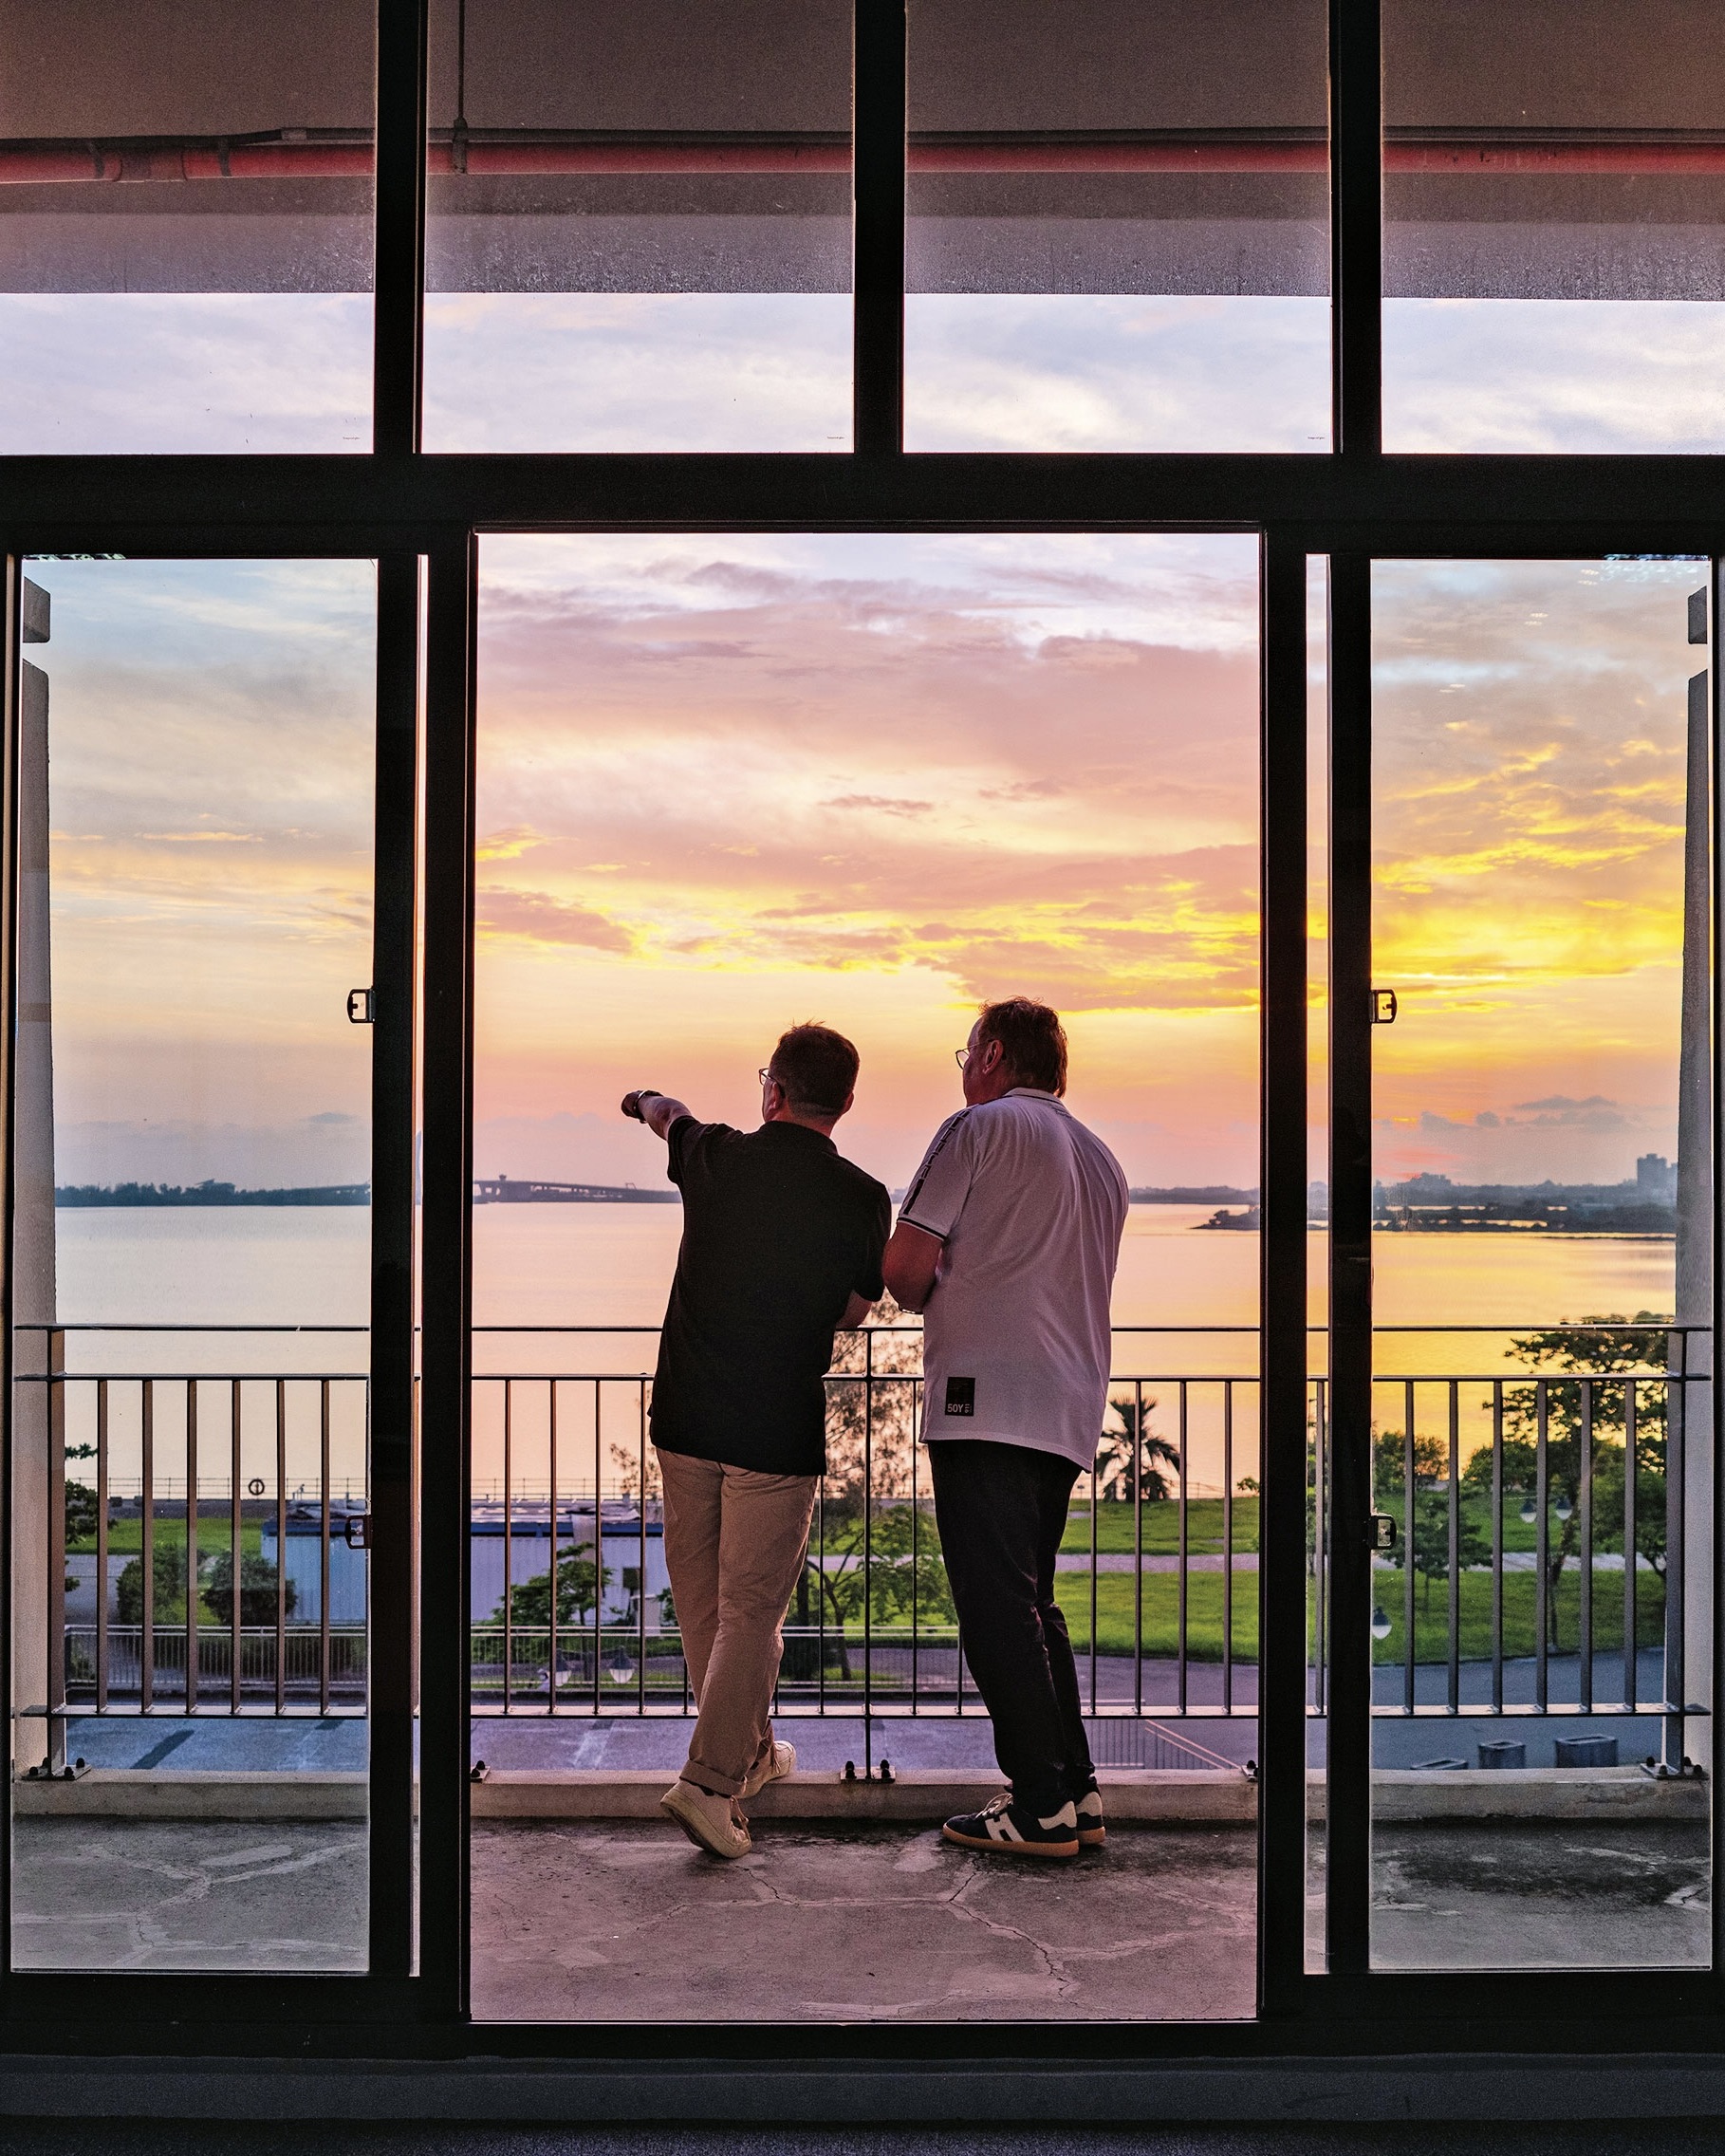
x: 90, y: 1197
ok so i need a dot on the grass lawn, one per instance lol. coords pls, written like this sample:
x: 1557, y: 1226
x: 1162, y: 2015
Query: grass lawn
x: 126, y: 1537
x: 1116, y: 1602
x: 1518, y: 1533
x: 1162, y: 1528
x: 1520, y: 1614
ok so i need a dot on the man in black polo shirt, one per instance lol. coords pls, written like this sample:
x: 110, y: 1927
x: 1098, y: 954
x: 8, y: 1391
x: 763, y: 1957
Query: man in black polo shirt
x: 782, y: 1244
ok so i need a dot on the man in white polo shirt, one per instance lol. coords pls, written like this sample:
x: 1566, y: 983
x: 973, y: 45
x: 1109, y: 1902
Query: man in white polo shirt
x: 1007, y: 1240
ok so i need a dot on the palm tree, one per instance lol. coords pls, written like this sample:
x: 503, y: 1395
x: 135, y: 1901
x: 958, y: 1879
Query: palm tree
x: 1126, y: 1463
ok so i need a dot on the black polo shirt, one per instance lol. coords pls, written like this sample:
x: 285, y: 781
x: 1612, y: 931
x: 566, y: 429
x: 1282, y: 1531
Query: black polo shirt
x: 778, y: 1230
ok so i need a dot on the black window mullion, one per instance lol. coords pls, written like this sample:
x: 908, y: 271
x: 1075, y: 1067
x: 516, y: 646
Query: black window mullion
x: 1282, y: 1288
x: 1348, y: 1792
x: 400, y: 246
x: 392, y: 1236
x: 446, y: 1277
x: 1356, y: 238
x: 1713, y: 1435
x: 878, y: 237
x: 11, y: 629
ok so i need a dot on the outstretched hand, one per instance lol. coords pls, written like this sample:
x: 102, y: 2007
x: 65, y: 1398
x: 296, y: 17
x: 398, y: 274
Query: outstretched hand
x: 657, y: 1110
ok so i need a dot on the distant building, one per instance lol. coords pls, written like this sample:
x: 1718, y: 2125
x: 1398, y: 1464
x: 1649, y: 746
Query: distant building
x: 1656, y: 1179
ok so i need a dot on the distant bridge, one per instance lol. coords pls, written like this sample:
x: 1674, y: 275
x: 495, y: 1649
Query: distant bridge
x: 506, y: 1190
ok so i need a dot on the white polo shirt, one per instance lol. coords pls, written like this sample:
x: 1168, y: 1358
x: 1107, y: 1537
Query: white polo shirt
x: 1030, y: 1207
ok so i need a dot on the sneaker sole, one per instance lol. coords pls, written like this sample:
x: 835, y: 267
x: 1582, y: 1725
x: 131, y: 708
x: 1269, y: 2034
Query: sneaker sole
x: 692, y: 1829
x: 1093, y: 1837
x: 1059, y: 1850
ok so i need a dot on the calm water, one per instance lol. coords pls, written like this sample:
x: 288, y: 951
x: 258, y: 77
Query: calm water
x: 610, y: 1265
x: 603, y: 1266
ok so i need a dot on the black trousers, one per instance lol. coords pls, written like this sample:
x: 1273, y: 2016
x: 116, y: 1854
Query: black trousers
x: 1001, y: 1511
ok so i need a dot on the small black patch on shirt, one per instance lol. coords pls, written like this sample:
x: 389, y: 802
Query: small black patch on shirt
x: 961, y: 1396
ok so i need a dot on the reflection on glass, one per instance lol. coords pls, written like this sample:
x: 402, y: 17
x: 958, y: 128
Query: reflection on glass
x: 186, y: 226
x: 727, y: 783
x: 1555, y: 177
x: 192, y: 1260
x: 1118, y: 230
x: 638, y: 225
x: 1543, y: 1189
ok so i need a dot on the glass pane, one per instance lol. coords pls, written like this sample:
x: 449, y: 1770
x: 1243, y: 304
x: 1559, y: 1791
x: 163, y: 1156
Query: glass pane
x: 191, y: 1251
x: 727, y: 783
x: 638, y: 225
x: 1554, y: 179
x: 1542, y: 1279
x: 186, y: 226
x: 1118, y: 226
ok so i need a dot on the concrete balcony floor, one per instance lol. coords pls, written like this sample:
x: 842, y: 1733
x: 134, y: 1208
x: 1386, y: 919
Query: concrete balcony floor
x: 593, y: 1921
x: 605, y: 1922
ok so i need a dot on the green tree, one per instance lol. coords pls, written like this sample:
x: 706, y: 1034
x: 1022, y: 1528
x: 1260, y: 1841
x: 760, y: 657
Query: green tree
x: 257, y: 1588
x: 580, y: 1583
x: 1572, y: 1353
x: 80, y: 1514
x: 893, y: 1570
x: 1425, y: 1509
x: 168, y: 1576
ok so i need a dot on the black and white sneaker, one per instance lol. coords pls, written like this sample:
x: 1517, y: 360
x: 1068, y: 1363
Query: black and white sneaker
x: 1093, y: 1834
x: 1004, y: 1829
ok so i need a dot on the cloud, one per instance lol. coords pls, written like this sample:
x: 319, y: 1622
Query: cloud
x: 1093, y: 841
x: 1026, y: 790
x: 542, y: 919
x: 1557, y: 1112
x: 886, y: 805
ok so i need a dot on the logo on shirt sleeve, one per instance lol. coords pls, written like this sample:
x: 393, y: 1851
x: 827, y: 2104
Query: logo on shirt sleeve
x: 961, y: 1396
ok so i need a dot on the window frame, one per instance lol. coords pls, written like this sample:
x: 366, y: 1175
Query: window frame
x: 421, y: 517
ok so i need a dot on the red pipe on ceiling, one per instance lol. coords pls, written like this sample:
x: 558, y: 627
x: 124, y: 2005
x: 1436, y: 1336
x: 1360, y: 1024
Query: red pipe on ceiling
x: 53, y: 165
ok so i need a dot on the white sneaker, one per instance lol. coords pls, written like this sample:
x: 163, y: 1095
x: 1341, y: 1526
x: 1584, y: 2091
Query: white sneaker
x: 708, y: 1821
x: 779, y: 1761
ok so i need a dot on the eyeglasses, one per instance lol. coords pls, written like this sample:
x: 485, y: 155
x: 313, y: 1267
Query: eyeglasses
x: 766, y: 1077
x: 961, y: 1056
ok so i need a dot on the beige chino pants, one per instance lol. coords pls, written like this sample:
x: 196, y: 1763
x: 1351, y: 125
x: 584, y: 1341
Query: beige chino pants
x: 735, y: 1542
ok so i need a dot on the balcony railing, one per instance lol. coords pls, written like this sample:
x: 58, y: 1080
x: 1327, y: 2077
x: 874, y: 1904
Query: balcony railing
x: 1161, y: 1600
x: 1541, y: 1564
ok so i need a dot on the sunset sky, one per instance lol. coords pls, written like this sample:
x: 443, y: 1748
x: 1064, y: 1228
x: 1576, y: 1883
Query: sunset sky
x: 727, y: 784
x: 732, y: 782
x: 1529, y: 744
x: 210, y: 799
x: 99, y: 372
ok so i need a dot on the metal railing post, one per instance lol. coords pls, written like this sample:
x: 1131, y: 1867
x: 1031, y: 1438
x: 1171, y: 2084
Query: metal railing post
x: 1676, y: 1524
x: 101, y: 1545
x: 55, y: 1673
x: 191, y: 1546
x: 235, y: 1548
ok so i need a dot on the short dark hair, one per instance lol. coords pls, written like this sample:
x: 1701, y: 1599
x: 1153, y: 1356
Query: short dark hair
x: 1033, y: 1041
x: 817, y: 1068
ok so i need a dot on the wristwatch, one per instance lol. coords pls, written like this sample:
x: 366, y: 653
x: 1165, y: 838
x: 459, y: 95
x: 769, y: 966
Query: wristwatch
x: 631, y: 1101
